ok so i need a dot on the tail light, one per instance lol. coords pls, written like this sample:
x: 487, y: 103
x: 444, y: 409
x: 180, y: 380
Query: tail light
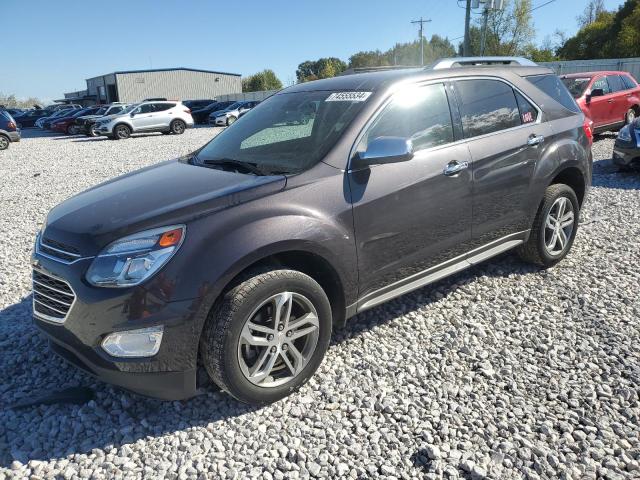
x: 187, y: 110
x: 11, y: 126
x: 588, y: 129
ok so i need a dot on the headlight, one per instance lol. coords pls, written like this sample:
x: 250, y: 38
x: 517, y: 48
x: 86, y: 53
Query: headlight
x: 625, y: 134
x: 135, y: 258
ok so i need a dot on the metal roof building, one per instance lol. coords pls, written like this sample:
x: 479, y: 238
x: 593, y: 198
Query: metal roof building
x: 173, y: 83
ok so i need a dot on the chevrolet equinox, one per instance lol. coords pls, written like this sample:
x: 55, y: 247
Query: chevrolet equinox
x: 325, y: 200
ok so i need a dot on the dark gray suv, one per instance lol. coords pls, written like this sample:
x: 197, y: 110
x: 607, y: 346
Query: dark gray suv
x: 327, y: 199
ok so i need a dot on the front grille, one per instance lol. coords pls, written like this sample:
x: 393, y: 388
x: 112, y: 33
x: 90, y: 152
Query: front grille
x: 52, y: 297
x: 58, y: 250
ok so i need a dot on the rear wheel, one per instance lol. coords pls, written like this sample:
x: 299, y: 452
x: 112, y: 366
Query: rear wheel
x: 267, y: 336
x: 93, y: 132
x: 122, y: 132
x: 4, y: 142
x: 554, y: 228
x: 178, y: 127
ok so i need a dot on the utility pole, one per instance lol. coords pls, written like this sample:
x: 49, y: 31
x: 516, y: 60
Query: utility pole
x: 485, y: 18
x: 421, y: 22
x: 467, y: 21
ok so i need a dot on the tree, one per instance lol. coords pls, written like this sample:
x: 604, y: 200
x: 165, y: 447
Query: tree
x: 10, y: 101
x: 404, y: 53
x: 590, y: 13
x: 264, y: 80
x: 321, y: 68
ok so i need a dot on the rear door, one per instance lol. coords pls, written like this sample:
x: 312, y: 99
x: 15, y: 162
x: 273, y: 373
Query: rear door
x: 505, y: 139
x: 410, y: 216
x: 163, y: 114
x: 618, y: 98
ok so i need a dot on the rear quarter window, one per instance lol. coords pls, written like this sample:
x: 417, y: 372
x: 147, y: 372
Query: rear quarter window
x: 553, y: 86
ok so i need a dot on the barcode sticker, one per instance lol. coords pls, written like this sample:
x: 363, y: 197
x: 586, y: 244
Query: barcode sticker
x: 348, y: 97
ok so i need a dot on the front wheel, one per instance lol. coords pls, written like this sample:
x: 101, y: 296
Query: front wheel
x: 267, y: 336
x: 554, y: 228
x: 178, y: 127
x: 122, y: 132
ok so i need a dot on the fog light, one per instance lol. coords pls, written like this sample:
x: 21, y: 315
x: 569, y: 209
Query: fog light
x: 144, y: 342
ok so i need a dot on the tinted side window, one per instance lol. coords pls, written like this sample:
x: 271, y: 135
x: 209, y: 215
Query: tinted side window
x: 615, y: 83
x: 486, y: 106
x: 628, y: 82
x: 160, y: 107
x: 115, y: 110
x: 553, y: 86
x: 602, y: 84
x: 146, y: 108
x: 421, y: 114
x: 528, y: 113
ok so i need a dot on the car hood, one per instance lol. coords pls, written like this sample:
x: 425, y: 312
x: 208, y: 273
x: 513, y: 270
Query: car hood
x: 171, y: 192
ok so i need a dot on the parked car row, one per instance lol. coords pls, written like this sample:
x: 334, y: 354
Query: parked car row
x: 223, y: 113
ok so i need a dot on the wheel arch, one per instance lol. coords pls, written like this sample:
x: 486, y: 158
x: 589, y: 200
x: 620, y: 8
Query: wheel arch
x: 573, y: 177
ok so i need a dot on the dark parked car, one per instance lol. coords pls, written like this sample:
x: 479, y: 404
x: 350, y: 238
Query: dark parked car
x: 196, y: 104
x: 626, y: 150
x: 202, y: 115
x: 67, y: 124
x: 47, y: 124
x: 86, y: 123
x: 232, y: 113
x: 610, y: 99
x: 243, y: 255
x: 9, y: 131
x: 30, y: 118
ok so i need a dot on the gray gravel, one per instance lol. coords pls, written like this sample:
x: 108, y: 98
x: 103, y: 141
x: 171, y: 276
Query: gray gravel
x: 505, y: 370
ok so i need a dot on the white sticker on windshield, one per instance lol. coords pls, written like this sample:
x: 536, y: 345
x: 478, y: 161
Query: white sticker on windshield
x: 348, y: 97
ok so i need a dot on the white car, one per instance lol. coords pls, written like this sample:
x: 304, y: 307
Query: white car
x: 166, y: 117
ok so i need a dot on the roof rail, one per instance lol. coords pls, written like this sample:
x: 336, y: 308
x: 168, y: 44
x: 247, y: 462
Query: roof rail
x: 475, y: 61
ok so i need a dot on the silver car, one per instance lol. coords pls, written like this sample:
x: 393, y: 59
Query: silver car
x: 166, y: 117
x: 232, y: 113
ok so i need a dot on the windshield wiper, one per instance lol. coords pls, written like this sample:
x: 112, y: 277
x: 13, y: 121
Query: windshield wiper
x: 236, y: 164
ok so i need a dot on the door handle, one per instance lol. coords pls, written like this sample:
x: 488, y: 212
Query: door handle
x: 535, y: 140
x: 454, y: 167
x: 610, y: 100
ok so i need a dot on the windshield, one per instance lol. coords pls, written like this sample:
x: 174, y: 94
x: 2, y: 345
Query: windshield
x: 288, y: 133
x: 102, y: 111
x: 576, y: 86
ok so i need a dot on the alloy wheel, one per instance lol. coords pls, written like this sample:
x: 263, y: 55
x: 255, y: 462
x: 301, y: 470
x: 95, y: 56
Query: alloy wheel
x: 558, y: 226
x: 278, y: 339
x: 4, y: 143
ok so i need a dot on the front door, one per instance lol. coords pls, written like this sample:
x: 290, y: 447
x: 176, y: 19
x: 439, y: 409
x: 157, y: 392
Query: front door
x: 144, y: 117
x: 411, y: 216
x: 505, y: 140
x: 601, y: 107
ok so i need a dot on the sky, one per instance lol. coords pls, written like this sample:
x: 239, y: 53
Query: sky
x: 51, y: 47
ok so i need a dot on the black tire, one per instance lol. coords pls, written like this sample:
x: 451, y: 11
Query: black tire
x: 4, y: 142
x: 93, y: 132
x: 231, y: 120
x: 535, y: 249
x: 70, y: 130
x: 220, y: 341
x: 121, y: 132
x: 178, y: 127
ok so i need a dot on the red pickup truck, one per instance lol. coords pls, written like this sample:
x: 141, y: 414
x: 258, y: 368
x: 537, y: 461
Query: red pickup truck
x: 610, y: 99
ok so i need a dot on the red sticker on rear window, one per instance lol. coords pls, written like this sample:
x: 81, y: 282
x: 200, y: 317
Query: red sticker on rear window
x: 527, y: 117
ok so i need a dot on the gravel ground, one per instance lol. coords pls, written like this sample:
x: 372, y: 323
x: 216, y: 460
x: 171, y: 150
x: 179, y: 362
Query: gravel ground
x: 504, y: 370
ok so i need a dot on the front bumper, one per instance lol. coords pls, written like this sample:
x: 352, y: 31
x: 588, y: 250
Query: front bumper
x: 97, y: 312
x: 220, y: 121
x: 625, y: 154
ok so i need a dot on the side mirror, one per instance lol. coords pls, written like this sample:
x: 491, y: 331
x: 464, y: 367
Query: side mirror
x: 596, y: 92
x: 132, y: 114
x: 383, y: 150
